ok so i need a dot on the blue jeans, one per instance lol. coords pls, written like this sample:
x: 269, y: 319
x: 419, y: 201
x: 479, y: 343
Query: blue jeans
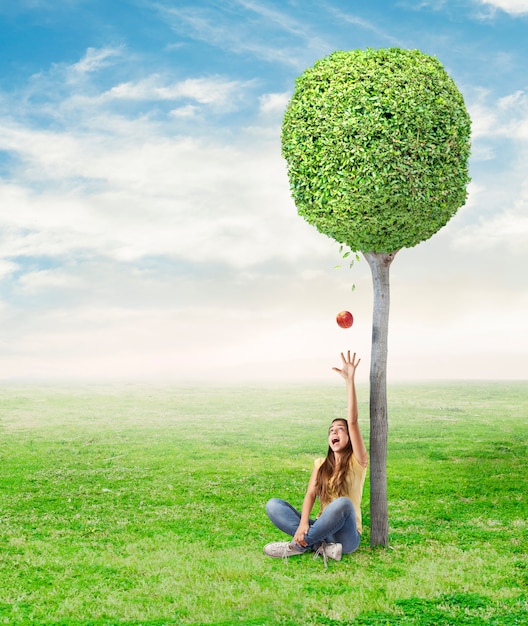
x: 336, y: 524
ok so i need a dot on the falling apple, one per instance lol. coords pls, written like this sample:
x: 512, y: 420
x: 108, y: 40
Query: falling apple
x: 345, y: 319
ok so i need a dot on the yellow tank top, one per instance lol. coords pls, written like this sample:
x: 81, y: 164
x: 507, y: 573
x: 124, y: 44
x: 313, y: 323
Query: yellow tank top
x: 354, y: 482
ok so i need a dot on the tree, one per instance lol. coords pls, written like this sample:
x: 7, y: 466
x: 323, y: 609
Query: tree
x: 377, y: 144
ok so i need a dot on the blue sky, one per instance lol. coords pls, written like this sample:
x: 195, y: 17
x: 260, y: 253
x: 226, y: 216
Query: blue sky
x: 146, y: 226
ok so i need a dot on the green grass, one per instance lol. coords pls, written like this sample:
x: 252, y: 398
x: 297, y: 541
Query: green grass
x: 145, y: 506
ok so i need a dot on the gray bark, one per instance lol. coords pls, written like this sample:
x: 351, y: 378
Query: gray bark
x: 379, y: 517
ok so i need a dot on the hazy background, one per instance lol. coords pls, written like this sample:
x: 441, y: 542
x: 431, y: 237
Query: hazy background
x: 146, y: 225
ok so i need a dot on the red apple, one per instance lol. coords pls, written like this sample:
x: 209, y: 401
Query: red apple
x: 344, y: 319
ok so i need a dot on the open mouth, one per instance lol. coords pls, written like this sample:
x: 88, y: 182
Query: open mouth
x: 335, y: 440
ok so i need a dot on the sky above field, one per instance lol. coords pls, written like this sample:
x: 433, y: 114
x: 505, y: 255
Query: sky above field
x: 146, y: 225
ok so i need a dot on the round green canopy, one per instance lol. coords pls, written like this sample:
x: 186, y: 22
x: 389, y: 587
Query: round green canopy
x: 377, y: 145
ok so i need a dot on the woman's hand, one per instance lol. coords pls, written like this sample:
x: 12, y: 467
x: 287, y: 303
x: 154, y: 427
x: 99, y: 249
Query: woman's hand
x: 298, y: 538
x: 349, y: 367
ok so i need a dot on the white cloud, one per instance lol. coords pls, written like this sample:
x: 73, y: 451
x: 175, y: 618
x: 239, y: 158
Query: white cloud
x: 279, y: 39
x: 484, y: 120
x: 355, y: 20
x: 506, y: 117
x: 43, y: 280
x: 7, y: 268
x: 186, y: 111
x: 129, y: 188
x: 274, y: 103
x: 498, y: 206
x: 505, y: 228
x: 215, y: 91
x: 514, y: 7
x: 95, y: 60
x: 130, y: 197
x: 513, y: 112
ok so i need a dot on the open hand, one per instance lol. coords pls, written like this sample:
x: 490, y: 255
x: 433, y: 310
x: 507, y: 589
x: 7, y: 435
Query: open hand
x: 349, y: 366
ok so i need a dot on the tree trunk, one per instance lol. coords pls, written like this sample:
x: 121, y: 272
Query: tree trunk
x: 379, y: 517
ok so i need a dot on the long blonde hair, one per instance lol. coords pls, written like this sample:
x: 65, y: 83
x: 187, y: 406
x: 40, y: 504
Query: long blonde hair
x: 329, y: 473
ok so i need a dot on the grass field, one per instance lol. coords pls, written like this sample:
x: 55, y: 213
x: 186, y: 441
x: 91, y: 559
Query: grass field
x: 145, y: 506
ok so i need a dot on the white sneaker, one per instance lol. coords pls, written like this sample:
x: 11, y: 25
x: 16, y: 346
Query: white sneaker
x: 329, y: 551
x: 280, y: 550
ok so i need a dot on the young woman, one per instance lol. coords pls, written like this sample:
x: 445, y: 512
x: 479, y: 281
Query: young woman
x: 337, y: 481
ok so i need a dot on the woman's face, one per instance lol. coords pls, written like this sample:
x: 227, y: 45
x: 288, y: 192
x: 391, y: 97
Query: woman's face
x: 338, y: 436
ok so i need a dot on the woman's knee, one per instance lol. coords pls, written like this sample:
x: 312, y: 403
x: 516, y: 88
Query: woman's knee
x: 273, y: 505
x: 344, y: 505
